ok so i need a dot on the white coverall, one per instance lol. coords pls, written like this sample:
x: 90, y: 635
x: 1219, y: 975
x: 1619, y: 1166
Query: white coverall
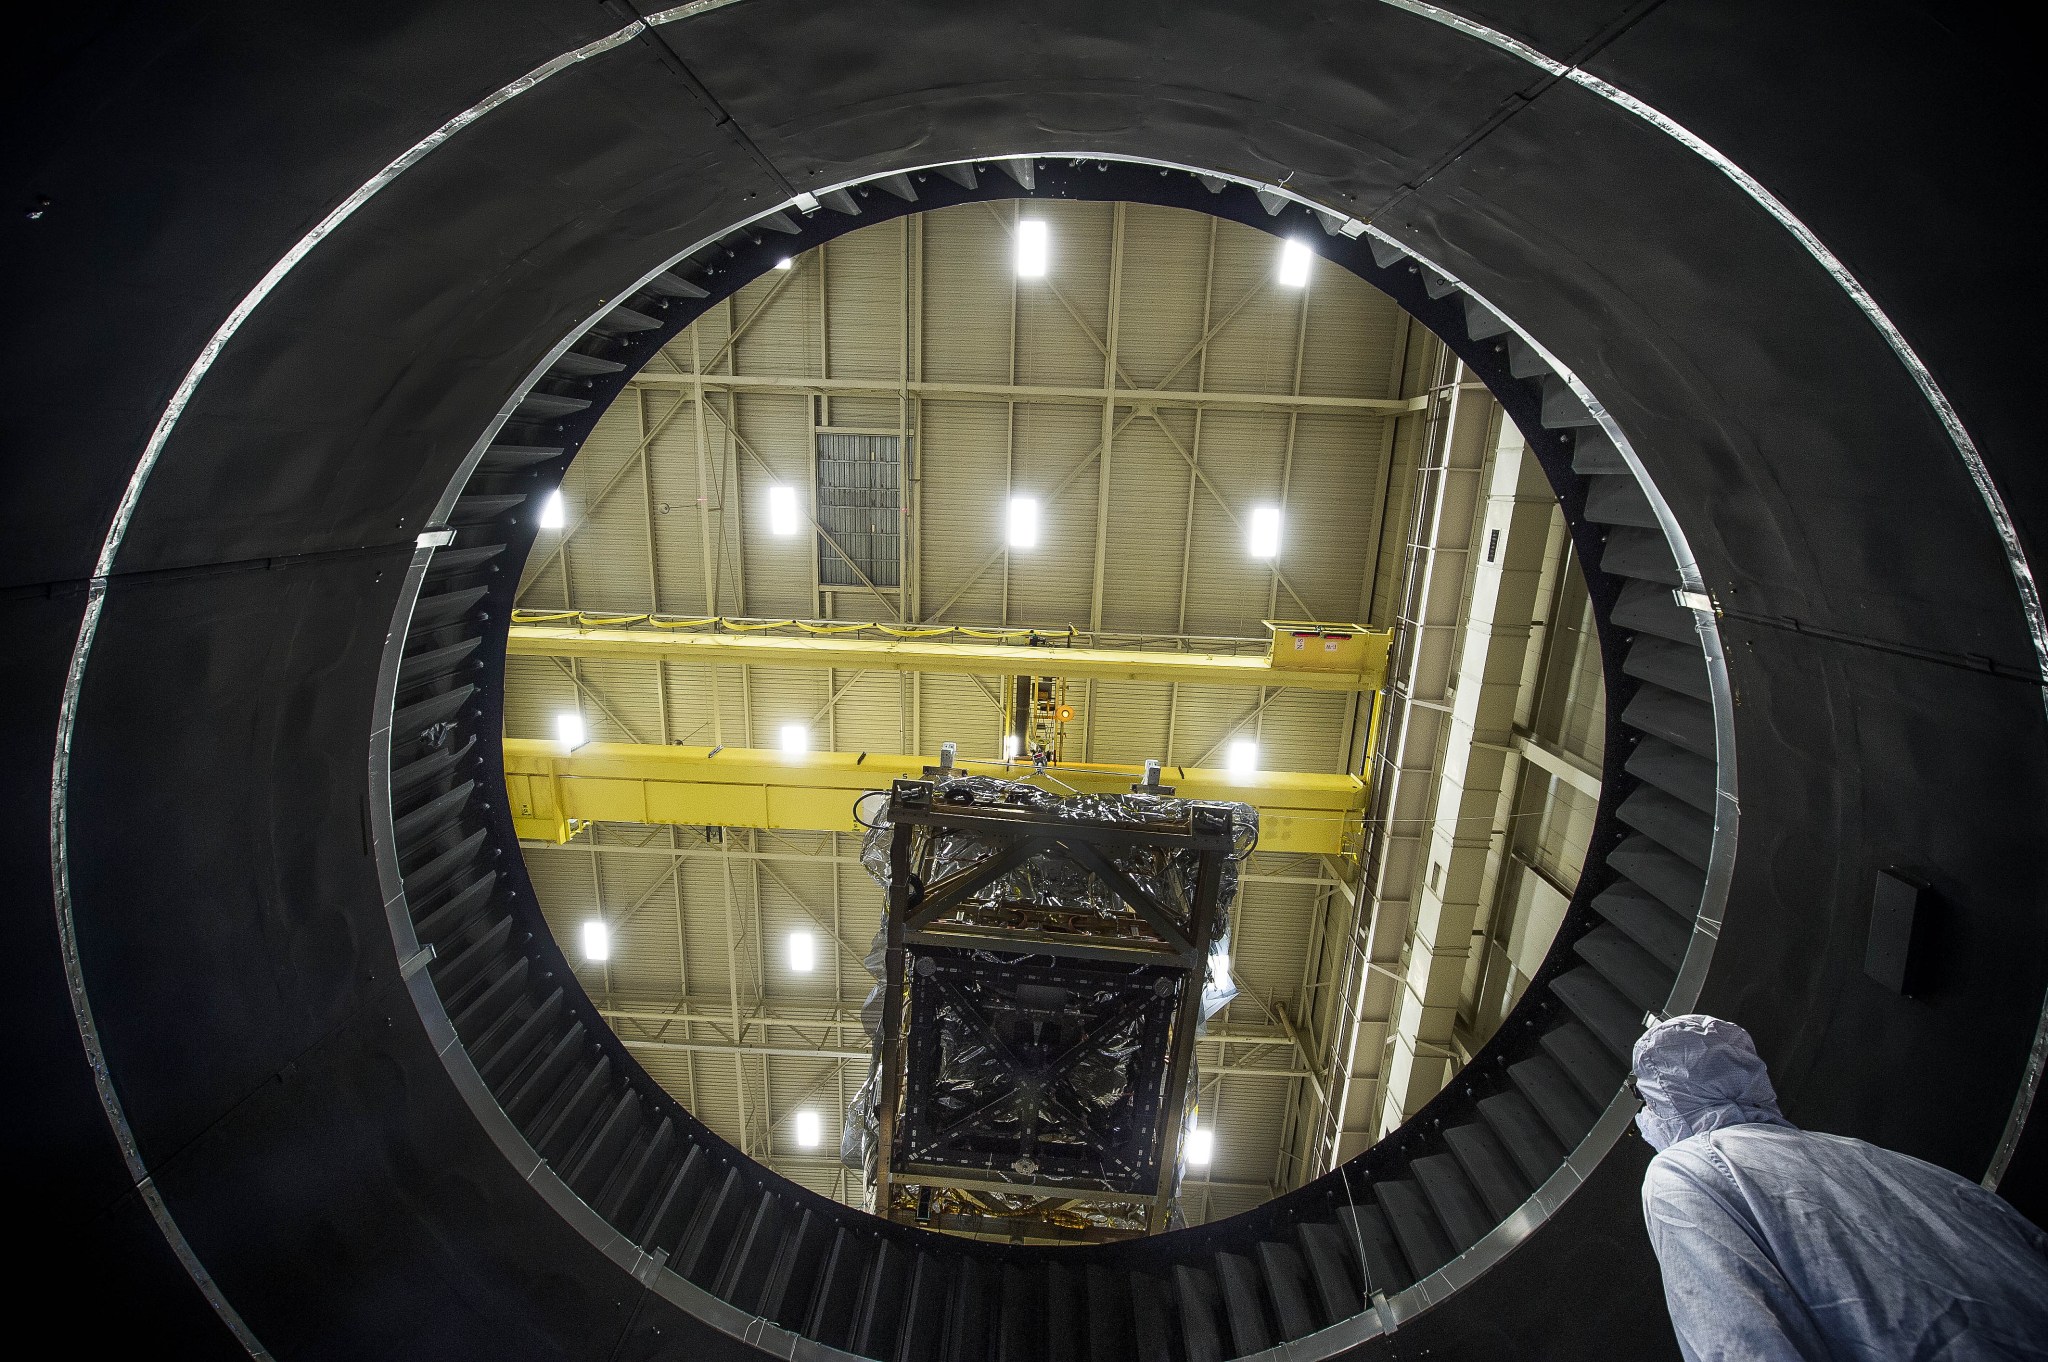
x: 1782, y: 1245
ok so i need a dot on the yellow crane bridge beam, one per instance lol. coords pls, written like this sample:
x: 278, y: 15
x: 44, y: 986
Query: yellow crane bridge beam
x: 555, y: 793
x: 968, y: 659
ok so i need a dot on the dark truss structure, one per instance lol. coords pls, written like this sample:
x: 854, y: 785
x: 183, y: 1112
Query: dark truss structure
x: 1042, y: 984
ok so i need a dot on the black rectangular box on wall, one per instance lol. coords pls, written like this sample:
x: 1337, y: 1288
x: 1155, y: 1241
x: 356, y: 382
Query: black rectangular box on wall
x: 1899, y: 917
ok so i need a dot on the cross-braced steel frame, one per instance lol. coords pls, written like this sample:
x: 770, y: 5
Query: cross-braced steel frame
x: 931, y: 919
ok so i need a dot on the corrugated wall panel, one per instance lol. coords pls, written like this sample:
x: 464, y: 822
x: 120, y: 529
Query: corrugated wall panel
x: 1129, y: 722
x: 1050, y: 585
x: 873, y: 414
x: 798, y: 1084
x: 782, y: 696
x: 1148, y: 511
x: 703, y: 883
x: 956, y: 709
x: 606, y: 512
x: 620, y: 700
x: 969, y: 283
x: 864, y: 304
x: 1165, y: 257
x: 669, y: 419
x: 1228, y: 590
x: 1351, y: 337
x: 1207, y: 717
x: 782, y: 337
x: 861, y: 904
x: 1255, y: 351
x: 641, y: 904
x: 795, y: 896
x: 1268, y: 930
x: 718, y: 1100
x: 1247, y: 1113
x: 868, y: 716
x: 965, y: 499
x: 779, y: 570
x: 536, y: 690
x: 689, y: 689
x: 1303, y: 731
x: 1052, y: 346
x: 1333, y: 489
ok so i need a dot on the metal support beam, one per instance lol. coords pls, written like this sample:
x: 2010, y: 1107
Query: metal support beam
x: 1104, y: 467
x: 1559, y: 763
x: 933, y: 391
x: 1212, y: 1051
x: 553, y: 793
x: 1499, y: 547
x: 1411, y: 724
x: 851, y: 653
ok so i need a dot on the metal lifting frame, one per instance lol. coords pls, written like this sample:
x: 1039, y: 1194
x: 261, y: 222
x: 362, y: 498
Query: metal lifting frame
x: 924, y: 915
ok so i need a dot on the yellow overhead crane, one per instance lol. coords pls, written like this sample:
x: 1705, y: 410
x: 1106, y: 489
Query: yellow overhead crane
x: 554, y: 793
x: 1305, y: 655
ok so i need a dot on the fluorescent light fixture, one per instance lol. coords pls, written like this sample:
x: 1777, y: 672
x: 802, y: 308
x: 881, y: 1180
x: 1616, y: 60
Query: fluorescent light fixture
x: 783, y: 263
x: 597, y: 940
x: 783, y: 517
x: 1244, y: 757
x: 809, y: 1129
x: 1034, y: 248
x: 554, y: 512
x: 1294, y: 258
x: 1201, y: 1146
x: 1010, y: 745
x: 569, y: 731
x: 803, y: 952
x: 796, y: 740
x: 1265, y: 535
x: 1023, y: 522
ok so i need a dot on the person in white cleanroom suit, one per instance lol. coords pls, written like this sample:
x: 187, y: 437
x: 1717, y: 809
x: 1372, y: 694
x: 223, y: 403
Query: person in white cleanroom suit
x: 1782, y: 1245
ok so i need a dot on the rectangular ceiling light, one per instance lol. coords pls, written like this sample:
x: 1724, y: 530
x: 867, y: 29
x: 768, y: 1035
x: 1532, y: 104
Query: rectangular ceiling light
x: 597, y: 940
x: 554, y: 512
x: 809, y: 1129
x: 1294, y: 258
x: 1244, y: 757
x: 1023, y: 522
x: 783, y: 518
x: 1034, y: 248
x: 803, y: 952
x: 1265, y: 532
x: 569, y: 731
x: 783, y: 263
x: 1201, y: 1146
x: 796, y: 740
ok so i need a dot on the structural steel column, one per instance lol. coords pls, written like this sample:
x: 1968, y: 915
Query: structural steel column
x: 1417, y: 710
x: 1503, y: 563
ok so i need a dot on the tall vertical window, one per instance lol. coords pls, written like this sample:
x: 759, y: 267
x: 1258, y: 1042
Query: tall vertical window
x: 860, y: 510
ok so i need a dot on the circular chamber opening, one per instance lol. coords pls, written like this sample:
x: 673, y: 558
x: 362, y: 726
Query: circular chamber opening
x: 1596, y: 215
x: 817, y: 517
x: 1024, y: 498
